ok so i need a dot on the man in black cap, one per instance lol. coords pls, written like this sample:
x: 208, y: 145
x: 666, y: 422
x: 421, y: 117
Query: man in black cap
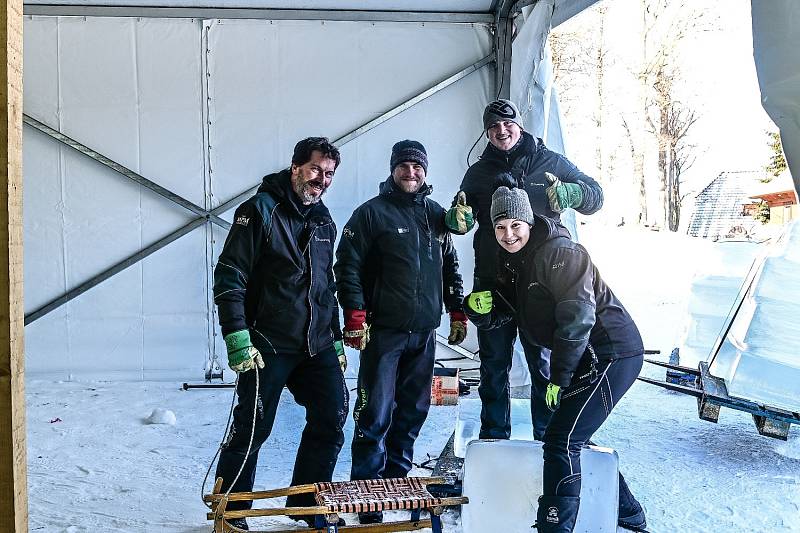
x: 395, y: 266
x: 514, y: 158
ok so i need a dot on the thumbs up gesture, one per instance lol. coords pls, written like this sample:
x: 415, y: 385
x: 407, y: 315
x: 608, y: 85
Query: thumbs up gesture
x: 459, y: 218
x: 563, y: 195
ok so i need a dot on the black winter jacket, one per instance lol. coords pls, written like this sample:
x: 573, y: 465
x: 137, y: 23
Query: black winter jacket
x: 274, y: 274
x: 397, y: 261
x: 559, y: 301
x: 526, y: 164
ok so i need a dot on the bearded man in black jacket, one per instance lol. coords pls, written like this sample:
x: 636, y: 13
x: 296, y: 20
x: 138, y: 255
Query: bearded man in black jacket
x: 275, y: 293
x: 395, y: 266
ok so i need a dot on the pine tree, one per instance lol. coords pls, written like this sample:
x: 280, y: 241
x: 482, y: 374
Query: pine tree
x: 777, y: 161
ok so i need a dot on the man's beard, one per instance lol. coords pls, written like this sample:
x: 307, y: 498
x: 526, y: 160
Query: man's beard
x: 304, y: 191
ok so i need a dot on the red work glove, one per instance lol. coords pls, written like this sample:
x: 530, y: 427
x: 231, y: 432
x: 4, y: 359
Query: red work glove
x: 356, y: 329
x: 458, y: 327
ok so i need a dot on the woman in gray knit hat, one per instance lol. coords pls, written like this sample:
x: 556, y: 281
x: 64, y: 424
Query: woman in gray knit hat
x: 550, y: 287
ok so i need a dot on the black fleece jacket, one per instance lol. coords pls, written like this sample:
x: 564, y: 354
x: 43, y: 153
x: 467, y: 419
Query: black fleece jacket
x: 397, y: 261
x: 275, y: 275
x: 559, y: 301
x: 523, y: 166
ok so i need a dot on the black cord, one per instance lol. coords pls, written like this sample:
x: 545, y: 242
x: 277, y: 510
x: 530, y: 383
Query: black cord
x: 473, y: 147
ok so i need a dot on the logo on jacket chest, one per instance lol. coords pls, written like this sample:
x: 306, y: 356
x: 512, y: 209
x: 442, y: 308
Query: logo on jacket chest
x: 402, y: 230
x: 242, y: 220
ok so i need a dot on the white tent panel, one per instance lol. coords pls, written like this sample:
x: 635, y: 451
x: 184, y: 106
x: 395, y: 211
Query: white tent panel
x: 130, y: 89
x: 171, y: 150
x: 775, y: 36
x: 312, y: 78
x: 44, y: 211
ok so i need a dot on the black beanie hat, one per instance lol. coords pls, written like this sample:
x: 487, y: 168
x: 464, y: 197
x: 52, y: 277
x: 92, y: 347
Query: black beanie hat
x: 408, y: 150
x: 499, y: 111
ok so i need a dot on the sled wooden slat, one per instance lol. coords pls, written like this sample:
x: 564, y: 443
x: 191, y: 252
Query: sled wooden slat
x: 335, y: 498
x: 260, y: 495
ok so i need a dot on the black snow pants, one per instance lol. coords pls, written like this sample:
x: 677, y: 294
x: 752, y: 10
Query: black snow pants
x: 318, y: 385
x: 585, y: 405
x: 394, y: 395
x: 496, y: 350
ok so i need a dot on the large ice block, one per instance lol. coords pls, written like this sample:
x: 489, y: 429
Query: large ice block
x: 468, y: 423
x: 714, y: 289
x: 503, y: 480
x: 759, y: 356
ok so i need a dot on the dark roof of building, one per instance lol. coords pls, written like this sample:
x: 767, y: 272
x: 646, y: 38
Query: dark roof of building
x: 719, y: 206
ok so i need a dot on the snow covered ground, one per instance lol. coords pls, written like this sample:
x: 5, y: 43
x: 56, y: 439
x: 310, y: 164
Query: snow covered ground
x: 95, y: 464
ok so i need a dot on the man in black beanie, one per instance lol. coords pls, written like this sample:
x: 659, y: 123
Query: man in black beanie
x: 395, y: 267
x: 514, y: 158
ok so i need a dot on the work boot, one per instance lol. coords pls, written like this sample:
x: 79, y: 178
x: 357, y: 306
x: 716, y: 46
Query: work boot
x: 370, y: 517
x: 239, y: 523
x: 631, y: 514
x: 557, y: 514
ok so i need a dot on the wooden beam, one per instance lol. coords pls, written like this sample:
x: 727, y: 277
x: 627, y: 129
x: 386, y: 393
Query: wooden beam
x: 13, y: 459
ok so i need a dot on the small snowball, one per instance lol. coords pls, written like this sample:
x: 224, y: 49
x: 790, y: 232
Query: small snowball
x: 161, y: 416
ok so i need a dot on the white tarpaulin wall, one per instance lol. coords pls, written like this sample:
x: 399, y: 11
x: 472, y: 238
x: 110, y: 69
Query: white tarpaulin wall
x: 205, y: 108
x: 776, y: 32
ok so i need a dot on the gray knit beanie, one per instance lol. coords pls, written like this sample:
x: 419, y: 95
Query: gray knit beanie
x: 511, y: 203
x: 501, y: 110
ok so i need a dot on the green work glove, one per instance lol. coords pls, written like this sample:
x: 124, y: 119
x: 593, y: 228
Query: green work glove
x: 339, y: 347
x: 242, y: 355
x: 563, y: 195
x: 552, y: 397
x: 459, y: 217
x: 480, y: 302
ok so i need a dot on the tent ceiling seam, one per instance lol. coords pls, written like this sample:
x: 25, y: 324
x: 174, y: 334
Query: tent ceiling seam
x: 72, y: 10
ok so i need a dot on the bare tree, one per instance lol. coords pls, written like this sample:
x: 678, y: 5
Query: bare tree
x: 664, y: 26
x: 681, y: 155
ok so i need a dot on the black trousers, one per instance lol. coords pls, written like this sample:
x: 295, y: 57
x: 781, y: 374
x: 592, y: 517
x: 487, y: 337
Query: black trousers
x: 585, y: 405
x: 394, y: 396
x: 496, y: 350
x: 318, y: 385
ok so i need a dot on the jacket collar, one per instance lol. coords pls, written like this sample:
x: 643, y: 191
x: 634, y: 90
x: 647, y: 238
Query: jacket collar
x: 527, y: 144
x: 390, y: 190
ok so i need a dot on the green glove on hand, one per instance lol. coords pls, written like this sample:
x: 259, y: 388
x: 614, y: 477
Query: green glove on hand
x: 563, y: 195
x: 459, y: 217
x: 480, y: 302
x: 242, y: 355
x: 339, y: 347
x: 552, y: 397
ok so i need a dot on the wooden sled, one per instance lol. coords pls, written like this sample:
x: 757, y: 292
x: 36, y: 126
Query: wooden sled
x: 342, y: 497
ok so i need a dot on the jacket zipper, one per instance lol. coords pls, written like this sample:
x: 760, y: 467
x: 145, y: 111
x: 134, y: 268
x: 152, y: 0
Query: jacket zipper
x: 310, y: 287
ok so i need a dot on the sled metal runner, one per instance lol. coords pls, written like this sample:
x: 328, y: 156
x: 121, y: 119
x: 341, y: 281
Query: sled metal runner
x: 712, y: 394
x: 334, y: 498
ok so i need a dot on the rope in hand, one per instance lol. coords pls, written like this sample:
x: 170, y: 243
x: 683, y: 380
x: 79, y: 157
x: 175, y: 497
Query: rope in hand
x: 225, y: 435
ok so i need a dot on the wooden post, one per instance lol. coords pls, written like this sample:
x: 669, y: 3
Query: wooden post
x: 13, y: 458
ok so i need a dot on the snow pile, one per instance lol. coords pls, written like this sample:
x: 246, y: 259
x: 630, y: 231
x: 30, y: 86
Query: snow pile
x: 161, y: 416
